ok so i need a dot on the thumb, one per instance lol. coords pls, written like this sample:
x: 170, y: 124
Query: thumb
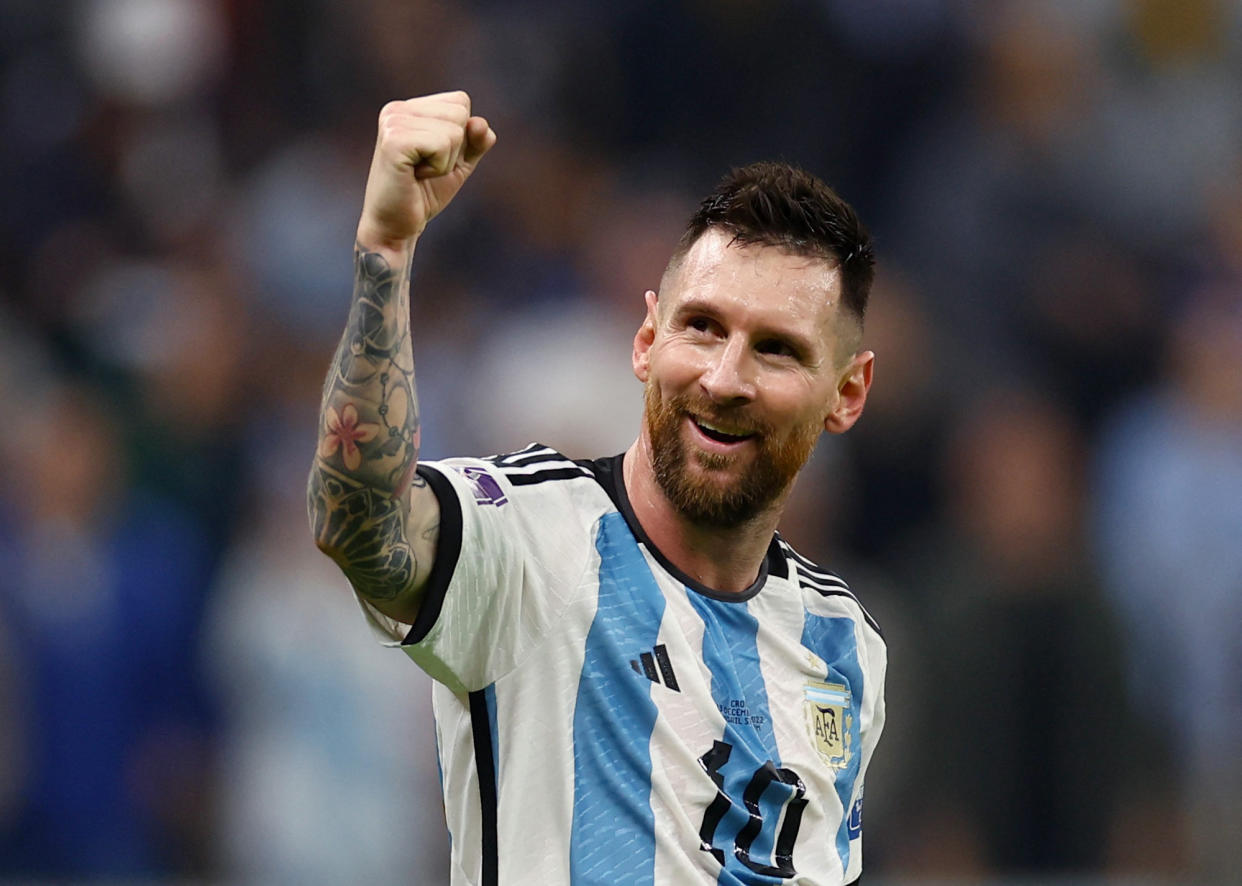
x: 479, y: 140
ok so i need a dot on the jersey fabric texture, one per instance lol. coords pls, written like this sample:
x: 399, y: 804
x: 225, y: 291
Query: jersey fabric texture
x: 602, y: 718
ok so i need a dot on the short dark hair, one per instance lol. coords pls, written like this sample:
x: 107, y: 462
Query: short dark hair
x: 776, y: 204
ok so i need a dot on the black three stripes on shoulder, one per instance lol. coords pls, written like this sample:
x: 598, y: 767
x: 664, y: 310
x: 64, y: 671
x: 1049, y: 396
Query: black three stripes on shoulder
x: 538, y: 464
x: 567, y: 473
x: 532, y: 454
x: 825, y: 583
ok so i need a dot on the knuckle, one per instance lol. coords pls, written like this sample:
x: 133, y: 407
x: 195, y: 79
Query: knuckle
x: 389, y: 131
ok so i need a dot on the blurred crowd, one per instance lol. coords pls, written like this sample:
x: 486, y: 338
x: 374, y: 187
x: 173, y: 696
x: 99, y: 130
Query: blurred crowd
x: 1042, y: 505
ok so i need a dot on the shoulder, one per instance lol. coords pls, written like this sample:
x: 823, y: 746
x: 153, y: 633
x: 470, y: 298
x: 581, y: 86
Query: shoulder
x: 535, y: 465
x: 821, y: 587
x: 538, y: 464
x: 537, y: 479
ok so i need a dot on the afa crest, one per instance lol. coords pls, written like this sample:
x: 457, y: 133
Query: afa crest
x: 830, y: 723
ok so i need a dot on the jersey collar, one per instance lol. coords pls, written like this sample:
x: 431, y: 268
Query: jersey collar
x: 610, y: 476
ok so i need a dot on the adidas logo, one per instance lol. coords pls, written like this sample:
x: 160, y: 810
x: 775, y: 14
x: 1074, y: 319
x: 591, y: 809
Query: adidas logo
x: 656, y: 667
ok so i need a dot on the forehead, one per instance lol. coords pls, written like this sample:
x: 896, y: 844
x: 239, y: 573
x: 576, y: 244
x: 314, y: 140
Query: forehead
x: 764, y: 281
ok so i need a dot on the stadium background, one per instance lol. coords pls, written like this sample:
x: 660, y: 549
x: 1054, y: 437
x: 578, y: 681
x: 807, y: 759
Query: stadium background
x: 1042, y: 504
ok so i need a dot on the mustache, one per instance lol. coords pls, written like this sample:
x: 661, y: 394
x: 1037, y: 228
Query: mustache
x: 739, y: 418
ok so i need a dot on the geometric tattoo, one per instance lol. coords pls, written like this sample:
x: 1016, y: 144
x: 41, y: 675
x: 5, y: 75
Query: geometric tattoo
x: 364, y: 530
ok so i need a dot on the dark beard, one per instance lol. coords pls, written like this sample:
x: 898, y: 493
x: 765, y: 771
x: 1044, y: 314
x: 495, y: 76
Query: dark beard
x: 716, y: 505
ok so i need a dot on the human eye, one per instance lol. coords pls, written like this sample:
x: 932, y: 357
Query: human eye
x: 700, y: 323
x: 775, y: 347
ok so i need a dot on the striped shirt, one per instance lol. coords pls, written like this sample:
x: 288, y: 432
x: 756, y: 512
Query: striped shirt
x: 602, y: 718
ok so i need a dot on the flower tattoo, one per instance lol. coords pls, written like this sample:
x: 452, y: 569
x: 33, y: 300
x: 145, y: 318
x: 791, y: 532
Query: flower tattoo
x: 345, y: 432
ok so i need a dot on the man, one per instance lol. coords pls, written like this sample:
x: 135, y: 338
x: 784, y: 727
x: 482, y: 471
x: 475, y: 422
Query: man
x: 639, y: 682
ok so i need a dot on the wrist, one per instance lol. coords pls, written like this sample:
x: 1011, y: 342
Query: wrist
x: 396, y: 252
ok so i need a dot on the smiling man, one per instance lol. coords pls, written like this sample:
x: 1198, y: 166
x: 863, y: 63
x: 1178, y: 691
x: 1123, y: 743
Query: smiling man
x: 639, y: 681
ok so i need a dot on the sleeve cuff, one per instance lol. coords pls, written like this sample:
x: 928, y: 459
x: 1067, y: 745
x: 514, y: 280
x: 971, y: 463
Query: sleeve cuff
x: 448, y: 551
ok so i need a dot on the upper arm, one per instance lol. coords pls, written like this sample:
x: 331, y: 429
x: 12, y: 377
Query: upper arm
x: 422, y: 533
x: 385, y: 545
x: 485, y: 568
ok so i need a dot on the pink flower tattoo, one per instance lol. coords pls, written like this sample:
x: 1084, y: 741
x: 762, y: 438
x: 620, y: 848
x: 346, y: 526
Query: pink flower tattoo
x: 345, y: 432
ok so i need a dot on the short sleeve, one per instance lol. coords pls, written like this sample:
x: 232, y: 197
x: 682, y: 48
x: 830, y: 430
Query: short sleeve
x: 511, y: 553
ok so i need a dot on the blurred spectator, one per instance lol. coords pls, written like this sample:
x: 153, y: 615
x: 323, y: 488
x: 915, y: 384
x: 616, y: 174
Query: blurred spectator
x: 151, y: 52
x: 328, y: 761
x: 295, y: 242
x: 1022, y: 724
x: 890, y: 488
x: 984, y: 184
x: 556, y: 362
x: 1090, y: 319
x: 172, y: 337
x: 1169, y: 471
x: 1167, y: 124
x: 102, y: 589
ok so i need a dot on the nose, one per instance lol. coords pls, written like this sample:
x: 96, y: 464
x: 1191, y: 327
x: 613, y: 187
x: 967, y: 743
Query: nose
x: 729, y: 376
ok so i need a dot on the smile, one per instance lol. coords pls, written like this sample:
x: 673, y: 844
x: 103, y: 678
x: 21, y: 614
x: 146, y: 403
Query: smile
x: 721, y: 433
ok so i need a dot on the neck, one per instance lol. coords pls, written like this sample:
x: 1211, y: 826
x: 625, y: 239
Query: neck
x: 726, y: 559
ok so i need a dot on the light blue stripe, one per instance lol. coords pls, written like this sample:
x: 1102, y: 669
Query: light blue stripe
x: 439, y: 767
x: 613, y: 835
x: 489, y: 698
x: 731, y: 654
x: 827, y: 696
x: 440, y: 776
x: 833, y: 640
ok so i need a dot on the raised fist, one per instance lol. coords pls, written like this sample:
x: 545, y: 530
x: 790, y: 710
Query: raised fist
x: 425, y: 149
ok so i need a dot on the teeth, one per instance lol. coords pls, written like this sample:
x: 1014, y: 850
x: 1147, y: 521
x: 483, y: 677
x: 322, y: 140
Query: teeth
x: 731, y: 432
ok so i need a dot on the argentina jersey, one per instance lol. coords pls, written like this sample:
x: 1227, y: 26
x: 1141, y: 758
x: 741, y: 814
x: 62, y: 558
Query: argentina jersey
x: 601, y: 718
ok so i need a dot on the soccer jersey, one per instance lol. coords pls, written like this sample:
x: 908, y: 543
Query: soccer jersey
x: 602, y: 718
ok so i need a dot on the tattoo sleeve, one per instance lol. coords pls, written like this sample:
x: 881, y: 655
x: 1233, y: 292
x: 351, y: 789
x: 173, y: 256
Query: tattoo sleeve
x: 369, y: 436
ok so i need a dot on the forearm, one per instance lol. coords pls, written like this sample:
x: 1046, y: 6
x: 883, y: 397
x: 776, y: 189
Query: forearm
x: 369, y: 432
x: 368, y: 427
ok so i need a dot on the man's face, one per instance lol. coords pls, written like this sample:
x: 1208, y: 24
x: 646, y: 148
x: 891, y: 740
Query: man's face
x: 738, y: 362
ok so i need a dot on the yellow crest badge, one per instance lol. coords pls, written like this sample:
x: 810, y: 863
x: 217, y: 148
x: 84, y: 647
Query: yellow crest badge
x: 830, y: 723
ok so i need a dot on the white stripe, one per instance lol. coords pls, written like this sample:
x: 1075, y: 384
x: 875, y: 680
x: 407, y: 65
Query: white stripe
x: 827, y: 584
x: 687, y: 724
x: 786, y: 667
x: 808, y: 569
x: 456, y: 746
x: 550, y: 464
x: 828, y: 696
x: 529, y: 715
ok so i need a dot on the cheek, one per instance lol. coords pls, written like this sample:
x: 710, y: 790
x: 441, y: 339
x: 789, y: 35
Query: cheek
x: 808, y: 410
x: 673, y: 368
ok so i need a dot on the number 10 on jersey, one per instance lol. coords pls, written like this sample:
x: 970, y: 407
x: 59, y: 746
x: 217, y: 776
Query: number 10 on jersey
x: 769, y: 791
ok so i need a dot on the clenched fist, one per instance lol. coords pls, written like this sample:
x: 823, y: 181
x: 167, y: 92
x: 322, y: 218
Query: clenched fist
x: 425, y: 149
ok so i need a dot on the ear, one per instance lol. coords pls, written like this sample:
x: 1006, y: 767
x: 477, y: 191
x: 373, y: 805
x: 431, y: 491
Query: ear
x: 851, y: 393
x: 643, y: 340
